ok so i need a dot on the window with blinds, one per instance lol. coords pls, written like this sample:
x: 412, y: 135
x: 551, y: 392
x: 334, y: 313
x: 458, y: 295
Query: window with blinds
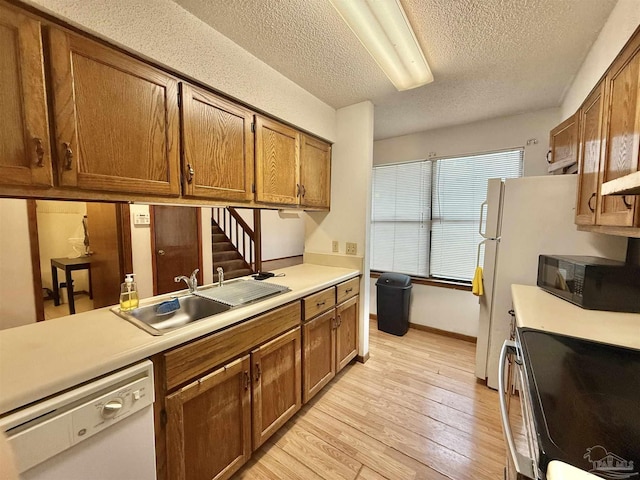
x: 425, y: 215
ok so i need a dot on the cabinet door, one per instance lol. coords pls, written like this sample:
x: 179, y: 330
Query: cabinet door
x: 209, y: 425
x: 315, y: 172
x: 563, y: 142
x: 116, y: 119
x: 277, y: 162
x: 622, y: 132
x: 347, y: 332
x: 25, y: 157
x: 277, y: 389
x: 217, y: 146
x: 590, y: 141
x: 318, y: 353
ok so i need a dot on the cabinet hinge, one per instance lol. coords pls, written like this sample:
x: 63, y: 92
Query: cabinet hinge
x: 253, y: 188
x: 253, y: 127
x: 179, y: 100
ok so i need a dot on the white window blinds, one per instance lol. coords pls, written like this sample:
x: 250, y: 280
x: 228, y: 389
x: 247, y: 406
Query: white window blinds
x: 401, y: 216
x: 425, y: 215
x: 460, y: 188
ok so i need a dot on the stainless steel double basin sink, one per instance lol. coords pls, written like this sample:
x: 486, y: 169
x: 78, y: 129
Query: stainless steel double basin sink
x: 178, y: 311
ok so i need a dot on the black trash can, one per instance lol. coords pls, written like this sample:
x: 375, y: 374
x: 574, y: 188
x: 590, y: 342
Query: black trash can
x: 393, y: 293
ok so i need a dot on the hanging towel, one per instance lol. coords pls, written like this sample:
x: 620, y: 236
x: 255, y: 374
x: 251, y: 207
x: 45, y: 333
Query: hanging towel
x: 477, y: 288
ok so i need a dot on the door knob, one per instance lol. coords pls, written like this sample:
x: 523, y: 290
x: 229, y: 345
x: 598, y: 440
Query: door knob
x: 160, y: 252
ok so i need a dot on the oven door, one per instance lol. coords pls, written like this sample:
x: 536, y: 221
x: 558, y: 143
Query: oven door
x: 515, y: 411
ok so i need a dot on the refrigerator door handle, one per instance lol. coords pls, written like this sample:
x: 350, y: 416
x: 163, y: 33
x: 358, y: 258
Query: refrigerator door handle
x: 483, y: 235
x: 479, y: 247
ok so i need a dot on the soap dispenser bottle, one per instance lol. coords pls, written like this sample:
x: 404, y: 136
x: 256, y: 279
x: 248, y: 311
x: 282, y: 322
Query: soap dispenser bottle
x: 128, y: 294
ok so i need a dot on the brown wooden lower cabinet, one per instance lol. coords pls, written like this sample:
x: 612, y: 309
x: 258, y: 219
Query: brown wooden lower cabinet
x: 209, y: 424
x: 346, y: 332
x: 277, y: 391
x: 330, y: 343
x: 319, y: 353
x: 210, y: 416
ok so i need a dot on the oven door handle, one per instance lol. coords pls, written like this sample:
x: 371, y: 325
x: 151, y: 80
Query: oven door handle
x: 523, y: 464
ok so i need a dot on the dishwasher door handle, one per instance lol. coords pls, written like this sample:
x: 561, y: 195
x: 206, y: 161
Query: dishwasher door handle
x: 523, y: 464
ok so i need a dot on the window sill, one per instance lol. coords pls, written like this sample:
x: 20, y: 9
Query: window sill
x: 432, y: 282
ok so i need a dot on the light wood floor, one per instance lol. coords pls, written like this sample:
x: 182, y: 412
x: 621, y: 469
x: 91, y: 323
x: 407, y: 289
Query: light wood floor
x: 413, y: 411
x: 82, y: 303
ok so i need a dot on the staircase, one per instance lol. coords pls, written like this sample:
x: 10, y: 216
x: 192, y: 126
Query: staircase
x: 234, y: 245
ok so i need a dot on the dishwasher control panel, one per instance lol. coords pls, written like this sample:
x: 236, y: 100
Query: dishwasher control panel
x: 52, y: 426
x: 94, y: 416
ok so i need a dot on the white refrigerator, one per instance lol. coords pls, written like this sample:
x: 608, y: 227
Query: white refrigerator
x: 521, y: 219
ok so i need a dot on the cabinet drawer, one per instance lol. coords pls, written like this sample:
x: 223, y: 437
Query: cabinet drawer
x: 191, y: 360
x: 347, y: 289
x: 319, y: 302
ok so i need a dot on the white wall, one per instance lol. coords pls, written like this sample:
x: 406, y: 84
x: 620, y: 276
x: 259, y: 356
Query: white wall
x: 622, y: 22
x: 17, y: 301
x: 282, y: 234
x: 163, y: 31
x: 350, y: 215
x: 456, y: 310
x: 207, y: 253
x: 141, y: 252
x: 484, y: 136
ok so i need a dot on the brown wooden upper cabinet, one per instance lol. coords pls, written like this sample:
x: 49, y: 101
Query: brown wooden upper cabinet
x: 25, y: 156
x: 277, y: 162
x: 291, y: 167
x: 563, y: 142
x: 621, y: 135
x: 217, y: 141
x: 315, y: 172
x: 116, y: 119
x: 590, y: 143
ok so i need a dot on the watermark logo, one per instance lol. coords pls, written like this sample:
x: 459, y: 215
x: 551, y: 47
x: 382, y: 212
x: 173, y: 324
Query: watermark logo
x: 609, y: 465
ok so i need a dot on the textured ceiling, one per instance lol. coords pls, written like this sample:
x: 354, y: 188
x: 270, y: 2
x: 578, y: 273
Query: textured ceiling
x: 489, y: 57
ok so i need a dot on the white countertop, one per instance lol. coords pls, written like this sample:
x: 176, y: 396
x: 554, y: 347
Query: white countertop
x: 561, y: 471
x: 45, y: 358
x: 540, y: 310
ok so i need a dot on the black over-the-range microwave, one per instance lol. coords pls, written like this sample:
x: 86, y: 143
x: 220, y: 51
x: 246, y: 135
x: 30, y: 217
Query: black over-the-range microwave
x: 593, y: 283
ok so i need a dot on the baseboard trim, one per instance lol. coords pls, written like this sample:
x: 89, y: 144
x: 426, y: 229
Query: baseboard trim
x: 363, y: 358
x: 437, y: 331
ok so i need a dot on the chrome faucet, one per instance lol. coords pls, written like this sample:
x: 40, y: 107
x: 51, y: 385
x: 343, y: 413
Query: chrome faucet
x: 192, y: 282
x: 220, y: 276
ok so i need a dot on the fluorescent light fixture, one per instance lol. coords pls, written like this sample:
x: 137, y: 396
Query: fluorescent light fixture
x: 384, y: 30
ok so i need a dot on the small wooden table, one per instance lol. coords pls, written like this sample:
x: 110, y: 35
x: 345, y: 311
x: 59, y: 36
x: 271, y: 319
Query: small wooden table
x: 69, y: 265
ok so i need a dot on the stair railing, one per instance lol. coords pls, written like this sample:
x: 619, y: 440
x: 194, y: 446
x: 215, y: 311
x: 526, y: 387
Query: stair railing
x: 246, y: 240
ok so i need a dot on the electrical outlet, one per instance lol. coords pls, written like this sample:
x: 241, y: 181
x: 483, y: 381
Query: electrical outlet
x: 352, y: 248
x: 335, y: 246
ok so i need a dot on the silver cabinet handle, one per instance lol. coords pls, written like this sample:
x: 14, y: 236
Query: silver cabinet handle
x: 524, y: 465
x: 160, y: 252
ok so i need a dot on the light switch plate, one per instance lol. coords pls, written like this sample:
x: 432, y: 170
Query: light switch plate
x: 141, y: 219
x: 335, y: 246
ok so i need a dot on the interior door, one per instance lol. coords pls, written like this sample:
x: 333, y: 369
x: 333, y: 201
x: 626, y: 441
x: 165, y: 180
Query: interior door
x: 109, y: 237
x: 177, y: 246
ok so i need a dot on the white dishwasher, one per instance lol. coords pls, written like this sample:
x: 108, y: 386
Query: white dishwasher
x: 101, y: 430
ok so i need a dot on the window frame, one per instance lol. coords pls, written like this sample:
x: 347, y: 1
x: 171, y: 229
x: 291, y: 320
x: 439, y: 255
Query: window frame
x: 431, y: 280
